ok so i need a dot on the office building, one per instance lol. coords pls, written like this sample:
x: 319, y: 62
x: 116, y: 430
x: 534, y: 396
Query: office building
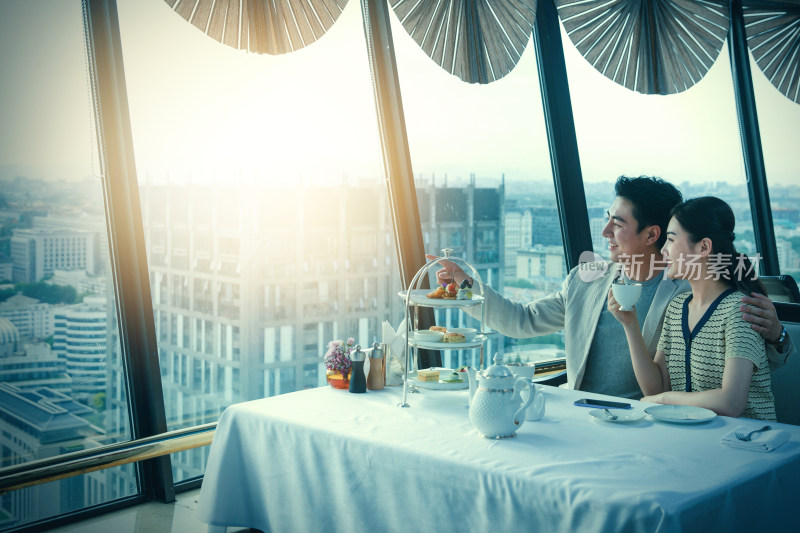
x: 80, y: 338
x: 39, y: 252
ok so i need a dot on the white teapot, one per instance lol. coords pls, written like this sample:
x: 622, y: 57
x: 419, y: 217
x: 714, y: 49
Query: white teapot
x: 496, y: 408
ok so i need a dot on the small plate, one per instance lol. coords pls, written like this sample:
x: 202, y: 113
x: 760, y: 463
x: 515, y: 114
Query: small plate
x: 439, y: 345
x: 418, y: 297
x: 680, y: 414
x: 623, y: 417
x: 438, y: 385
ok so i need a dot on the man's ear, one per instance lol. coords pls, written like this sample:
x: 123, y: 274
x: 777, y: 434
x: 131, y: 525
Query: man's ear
x: 653, y: 234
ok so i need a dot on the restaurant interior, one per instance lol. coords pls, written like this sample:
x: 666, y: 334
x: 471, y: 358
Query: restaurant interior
x: 208, y: 362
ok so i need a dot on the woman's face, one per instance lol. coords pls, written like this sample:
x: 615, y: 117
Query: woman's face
x: 683, y: 258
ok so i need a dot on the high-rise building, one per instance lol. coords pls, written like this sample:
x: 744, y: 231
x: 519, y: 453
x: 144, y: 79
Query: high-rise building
x: 38, y: 252
x: 468, y: 220
x: 518, y: 227
x: 80, y: 338
x: 542, y: 265
x: 247, y: 297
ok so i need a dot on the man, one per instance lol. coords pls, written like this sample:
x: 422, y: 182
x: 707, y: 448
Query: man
x: 597, y: 351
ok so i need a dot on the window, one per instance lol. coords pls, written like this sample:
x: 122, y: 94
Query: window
x: 689, y: 139
x: 62, y: 388
x: 779, y: 124
x: 254, y: 187
x: 481, y: 160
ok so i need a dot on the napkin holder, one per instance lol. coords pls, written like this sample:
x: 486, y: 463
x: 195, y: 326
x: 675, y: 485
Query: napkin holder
x: 395, y: 343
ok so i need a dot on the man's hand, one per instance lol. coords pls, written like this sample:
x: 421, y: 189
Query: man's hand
x: 759, y: 311
x: 450, y: 272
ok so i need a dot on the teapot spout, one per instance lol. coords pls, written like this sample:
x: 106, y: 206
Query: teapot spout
x: 473, y: 382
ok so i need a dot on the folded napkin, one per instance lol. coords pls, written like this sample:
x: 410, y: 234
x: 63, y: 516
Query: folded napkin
x: 395, y: 359
x: 765, y: 441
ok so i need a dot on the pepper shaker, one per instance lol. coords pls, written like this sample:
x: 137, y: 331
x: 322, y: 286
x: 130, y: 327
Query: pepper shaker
x: 376, y: 377
x: 358, y: 381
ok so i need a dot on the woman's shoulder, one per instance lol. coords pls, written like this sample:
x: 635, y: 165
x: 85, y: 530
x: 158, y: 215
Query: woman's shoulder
x: 678, y: 299
x: 729, y: 305
x: 674, y: 310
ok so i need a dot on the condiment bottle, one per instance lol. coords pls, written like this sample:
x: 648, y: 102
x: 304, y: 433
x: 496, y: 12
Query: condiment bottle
x: 358, y: 381
x: 376, y: 377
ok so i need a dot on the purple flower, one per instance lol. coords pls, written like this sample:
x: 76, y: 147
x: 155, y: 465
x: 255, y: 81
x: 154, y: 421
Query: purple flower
x: 337, y: 358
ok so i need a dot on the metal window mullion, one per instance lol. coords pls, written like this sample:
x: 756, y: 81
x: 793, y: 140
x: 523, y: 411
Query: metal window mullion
x: 750, y: 136
x: 396, y: 154
x: 564, y: 158
x: 126, y: 240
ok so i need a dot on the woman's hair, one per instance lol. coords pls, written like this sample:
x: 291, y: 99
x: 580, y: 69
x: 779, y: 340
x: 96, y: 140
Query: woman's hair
x: 710, y: 217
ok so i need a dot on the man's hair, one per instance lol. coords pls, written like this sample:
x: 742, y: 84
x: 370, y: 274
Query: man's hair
x: 652, y: 199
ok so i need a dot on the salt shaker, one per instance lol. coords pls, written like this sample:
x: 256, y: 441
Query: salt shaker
x: 376, y: 377
x: 358, y: 381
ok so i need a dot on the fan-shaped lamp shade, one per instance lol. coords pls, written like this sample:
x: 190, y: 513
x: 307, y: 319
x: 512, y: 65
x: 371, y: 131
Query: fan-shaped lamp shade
x: 648, y: 46
x: 479, y: 41
x: 773, y: 36
x: 261, y: 26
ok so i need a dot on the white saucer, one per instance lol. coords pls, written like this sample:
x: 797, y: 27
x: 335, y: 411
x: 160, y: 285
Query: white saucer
x: 680, y: 414
x: 439, y: 385
x: 623, y: 416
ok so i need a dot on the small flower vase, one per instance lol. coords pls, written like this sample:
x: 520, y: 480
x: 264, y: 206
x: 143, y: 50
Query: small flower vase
x: 337, y: 380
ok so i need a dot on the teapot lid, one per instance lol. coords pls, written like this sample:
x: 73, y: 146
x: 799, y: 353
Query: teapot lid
x: 498, y: 369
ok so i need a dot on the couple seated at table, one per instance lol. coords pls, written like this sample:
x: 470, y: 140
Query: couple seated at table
x: 597, y: 352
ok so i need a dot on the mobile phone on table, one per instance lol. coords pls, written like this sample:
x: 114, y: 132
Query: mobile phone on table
x: 601, y: 404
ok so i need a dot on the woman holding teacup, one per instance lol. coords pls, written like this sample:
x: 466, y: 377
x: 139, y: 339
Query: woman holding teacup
x: 707, y: 355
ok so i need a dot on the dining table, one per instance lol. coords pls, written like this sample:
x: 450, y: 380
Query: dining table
x: 325, y: 459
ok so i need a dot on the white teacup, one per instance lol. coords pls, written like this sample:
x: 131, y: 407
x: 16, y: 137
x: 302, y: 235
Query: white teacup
x: 626, y: 294
x: 524, y: 370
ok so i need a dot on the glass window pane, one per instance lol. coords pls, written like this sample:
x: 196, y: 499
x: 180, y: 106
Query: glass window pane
x: 779, y: 124
x: 266, y: 222
x: 62, y: 385
x: 690, y: 139
x: 484, y: 185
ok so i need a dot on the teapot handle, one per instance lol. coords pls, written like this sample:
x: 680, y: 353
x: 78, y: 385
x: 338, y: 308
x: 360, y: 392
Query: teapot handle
x: 519, y: 415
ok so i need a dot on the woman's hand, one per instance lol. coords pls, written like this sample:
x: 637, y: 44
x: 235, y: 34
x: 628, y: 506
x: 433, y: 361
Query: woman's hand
x: 625, y: 318
x: 450, y: 272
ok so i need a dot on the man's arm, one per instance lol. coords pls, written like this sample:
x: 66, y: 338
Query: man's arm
x: 517, y: 320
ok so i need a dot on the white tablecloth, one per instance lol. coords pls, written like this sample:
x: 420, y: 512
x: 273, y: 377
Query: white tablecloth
x: 327, y: 460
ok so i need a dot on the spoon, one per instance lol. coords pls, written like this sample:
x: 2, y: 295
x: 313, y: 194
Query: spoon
x: 609, y: 415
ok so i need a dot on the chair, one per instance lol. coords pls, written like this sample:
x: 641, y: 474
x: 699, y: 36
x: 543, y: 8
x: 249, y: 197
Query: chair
x: 786, y: 379
x: 781, y: 288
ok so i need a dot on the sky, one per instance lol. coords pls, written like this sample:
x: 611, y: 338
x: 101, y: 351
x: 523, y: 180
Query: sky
x: 200, y: 108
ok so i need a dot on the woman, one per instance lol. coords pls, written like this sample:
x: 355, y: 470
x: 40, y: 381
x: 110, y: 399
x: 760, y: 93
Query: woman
x: 707, y: 355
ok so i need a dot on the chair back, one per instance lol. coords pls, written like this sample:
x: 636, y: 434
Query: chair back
x: 781, y: 288
x: 786, y: 379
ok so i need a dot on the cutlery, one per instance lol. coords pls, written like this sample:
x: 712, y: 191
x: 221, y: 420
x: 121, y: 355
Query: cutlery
x: 746, y: 437
x: 614, y: 417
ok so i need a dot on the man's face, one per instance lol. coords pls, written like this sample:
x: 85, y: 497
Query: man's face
x: 622, y: 233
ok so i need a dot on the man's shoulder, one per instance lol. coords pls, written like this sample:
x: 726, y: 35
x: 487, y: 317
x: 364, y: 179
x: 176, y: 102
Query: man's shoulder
x: 592, y: 271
